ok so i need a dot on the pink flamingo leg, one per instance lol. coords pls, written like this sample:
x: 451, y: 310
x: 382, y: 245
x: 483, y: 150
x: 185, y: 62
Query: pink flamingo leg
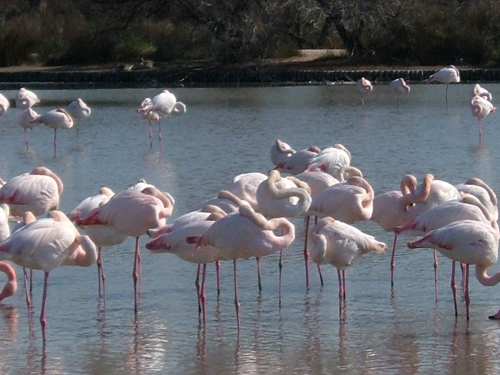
x: 55, y: 142
x: 26, y: 289
x: 135, y: 274
x: 393, y: 259
x: 160, y: 137
x: 237, y: 304
x: 453, y: 285
x: 203, y: 296
x: 100, y: 273
x: 43, y: 319
x: 198, y: 286
x: 150, y: 135
x: 436, y: 263
x: 26, y: 139
x: 341, y: 285
x: 217, y: 272
x: 466, y: 291
x: 480, y: 125
x: 258, y: 273
x: 280, y: 267
x: 306, y: 252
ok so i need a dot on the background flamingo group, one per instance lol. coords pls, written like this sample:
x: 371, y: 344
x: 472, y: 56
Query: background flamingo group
x: 275, y: 195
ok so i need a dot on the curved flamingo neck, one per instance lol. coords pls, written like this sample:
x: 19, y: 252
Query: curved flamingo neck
x: 11, y: 286
x: 43, y: 171
x: 484, y: 279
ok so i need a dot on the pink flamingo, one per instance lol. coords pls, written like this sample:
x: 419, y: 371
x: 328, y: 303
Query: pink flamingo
x: 244, y: 235
x: 165, y: 104
x: 244, y: 186
x: 25, y: 99
x: 298, y: 162
x: 10, y: 286
x: 466, y: 241
x: 4, y: 222
x: 363, y: 87
x: 150, y: 208
x: 341, y: 245
x: 349, y: 201
x: 445, y: 75
x: 78, y: 110
x: 56, y: 119
x: 400, y: 87
x: 45, y: 244
x: 37, y: 191
x: 149, y: 116
x: 481, y: 108
x: 332, y: 160
x: 482, y: 191
x: 25, y: 121
x: 4, y: 105
x: 467, y: 208
x: 179, y: 242
x: 280, y: 152
x: 101, y: 235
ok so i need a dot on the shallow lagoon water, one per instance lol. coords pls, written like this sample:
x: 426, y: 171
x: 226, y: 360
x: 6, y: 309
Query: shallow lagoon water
x: 226, y: 132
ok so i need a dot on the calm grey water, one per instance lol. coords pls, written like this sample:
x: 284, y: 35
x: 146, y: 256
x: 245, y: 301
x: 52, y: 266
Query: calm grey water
x: 225, y: 132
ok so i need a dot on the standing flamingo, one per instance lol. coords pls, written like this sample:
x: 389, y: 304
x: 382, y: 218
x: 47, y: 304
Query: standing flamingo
x: 25, y: 121
x: 341, y: 245
x: 101, y: 235
x: 481, y: 108
x: 4, y: 105
x: 25, y: 99
x: 467, y: 208
x: 400, y: 87
x: 10, y: 286
x: 165, y: 104
x: 78, y: 110
x: 56, y: 119
x: 245, y: 185
x: 132, y: 212
x: 45, y: 244
x: 445, y: 75
x: 363, y: 87
x: 148, y: 116
x: 466, y: 241
x: 37, y: 191
x: 244, y: 235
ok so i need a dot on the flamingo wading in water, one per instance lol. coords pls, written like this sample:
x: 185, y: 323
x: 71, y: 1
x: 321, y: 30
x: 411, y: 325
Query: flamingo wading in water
x: 480, y: 108
x: 447, y: 75
x: 78, y: 110
x: 56, y: 119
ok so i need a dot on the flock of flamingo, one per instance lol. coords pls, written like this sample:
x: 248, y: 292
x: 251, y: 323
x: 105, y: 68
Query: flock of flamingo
x: 480, y: 103
x: 250, y: 218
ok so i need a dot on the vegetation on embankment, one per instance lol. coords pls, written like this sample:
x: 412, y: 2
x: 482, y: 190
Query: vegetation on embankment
x: 388, y: 32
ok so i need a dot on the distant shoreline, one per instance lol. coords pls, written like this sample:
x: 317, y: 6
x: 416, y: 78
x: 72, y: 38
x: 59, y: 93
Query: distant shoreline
x: 288, y: 74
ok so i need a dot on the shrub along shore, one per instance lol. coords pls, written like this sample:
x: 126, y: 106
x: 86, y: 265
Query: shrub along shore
x: 273, y: 75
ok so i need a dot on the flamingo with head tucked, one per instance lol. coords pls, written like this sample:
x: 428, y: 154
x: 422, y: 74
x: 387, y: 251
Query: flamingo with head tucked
x: 37, y: 191
x: 25, y: 99
x: 280, y: 152
x: 45, y: 244
x: 132, y: 212
x: 447, y: 75
x: 4, y: 105
x: 363, y: 87
x: 480, y: 108
x: 56, y: 119
x: 400, y: 87
x: 341, y: 245
x: 78, y: 110
x: 149, y: 116
x: 26, y: 121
